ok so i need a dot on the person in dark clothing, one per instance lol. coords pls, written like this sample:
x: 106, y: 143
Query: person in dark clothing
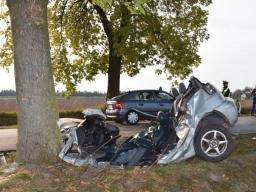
x: 253, y: 108
x: 225, y: 90
x: 253, y: 94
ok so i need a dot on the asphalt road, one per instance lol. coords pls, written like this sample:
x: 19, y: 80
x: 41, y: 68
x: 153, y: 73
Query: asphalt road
x: 244, y: 125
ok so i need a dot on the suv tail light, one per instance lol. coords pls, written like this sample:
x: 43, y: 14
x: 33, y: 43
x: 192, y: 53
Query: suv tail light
x: 119, y: 105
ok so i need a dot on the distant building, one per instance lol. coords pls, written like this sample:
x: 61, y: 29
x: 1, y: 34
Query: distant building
x: 243, y: 97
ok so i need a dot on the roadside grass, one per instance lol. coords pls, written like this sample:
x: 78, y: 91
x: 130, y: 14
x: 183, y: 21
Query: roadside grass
x: 9, y: 127
x: 236, y: 173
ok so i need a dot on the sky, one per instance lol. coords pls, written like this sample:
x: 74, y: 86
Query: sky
x: 229, y: 54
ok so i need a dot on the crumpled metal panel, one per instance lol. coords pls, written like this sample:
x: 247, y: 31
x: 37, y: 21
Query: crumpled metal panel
x: 203, y: 103
x: 75, y: 158
x: 200, y: 104
x: 89, y: 111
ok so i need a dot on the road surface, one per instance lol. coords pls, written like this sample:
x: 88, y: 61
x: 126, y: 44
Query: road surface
x: 244, y: 125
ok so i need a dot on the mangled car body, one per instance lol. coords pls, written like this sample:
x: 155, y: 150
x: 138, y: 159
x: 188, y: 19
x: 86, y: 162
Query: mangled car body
x: 198, y: 124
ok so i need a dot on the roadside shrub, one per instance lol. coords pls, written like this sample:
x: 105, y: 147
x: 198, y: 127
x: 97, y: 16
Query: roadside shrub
x: 246, y: 107
x: 8, y: 118
x: 72, y: 114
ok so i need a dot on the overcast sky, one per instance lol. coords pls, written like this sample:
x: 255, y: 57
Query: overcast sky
x: 229, y: 54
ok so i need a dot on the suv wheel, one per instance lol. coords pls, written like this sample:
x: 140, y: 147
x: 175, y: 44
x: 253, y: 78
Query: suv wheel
x: 132, y: 118
x: 213, y: 143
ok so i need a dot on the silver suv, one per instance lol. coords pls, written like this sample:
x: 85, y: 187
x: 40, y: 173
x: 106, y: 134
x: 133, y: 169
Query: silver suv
x: 197, y: 124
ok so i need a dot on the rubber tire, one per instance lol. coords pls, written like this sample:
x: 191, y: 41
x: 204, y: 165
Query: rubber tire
x: 222, y: 135
x: 119, y: 121
x: 132, y: 118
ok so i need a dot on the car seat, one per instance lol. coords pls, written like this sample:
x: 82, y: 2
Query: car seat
x: 161, y: 114
x: 175, y: 92
x: 149, y: 97
x: 174, y: 112
x: 182, y: 88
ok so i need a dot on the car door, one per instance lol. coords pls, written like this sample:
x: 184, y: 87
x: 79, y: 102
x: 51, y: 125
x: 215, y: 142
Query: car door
x: 145, y: 102
x: 164, y: 100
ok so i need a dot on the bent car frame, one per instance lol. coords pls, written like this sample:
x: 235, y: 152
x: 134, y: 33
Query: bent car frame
x: 198, y: 124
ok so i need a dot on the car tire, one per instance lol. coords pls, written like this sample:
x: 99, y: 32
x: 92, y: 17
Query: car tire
x: 132, y: 118
x: 213, y: 143
x: 119, y: 121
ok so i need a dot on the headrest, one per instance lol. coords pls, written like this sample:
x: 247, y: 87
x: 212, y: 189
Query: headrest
x: 175, y: 92
x: 182, y: 88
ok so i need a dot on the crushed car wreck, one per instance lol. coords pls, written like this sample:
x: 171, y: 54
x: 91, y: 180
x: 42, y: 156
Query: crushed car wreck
x: 197, y: 124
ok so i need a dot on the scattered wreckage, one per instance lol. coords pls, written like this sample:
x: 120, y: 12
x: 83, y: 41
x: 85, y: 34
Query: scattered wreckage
x: 197, y: 124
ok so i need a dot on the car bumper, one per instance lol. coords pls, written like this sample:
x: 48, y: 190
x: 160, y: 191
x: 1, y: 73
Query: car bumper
x: 116, y: 114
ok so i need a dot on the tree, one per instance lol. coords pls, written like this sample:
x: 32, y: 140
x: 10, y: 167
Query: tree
x: 237, y: 94
x: 247, y: 89
x: 168, y: 35
x: 8, y: 93
x: 39, y: 139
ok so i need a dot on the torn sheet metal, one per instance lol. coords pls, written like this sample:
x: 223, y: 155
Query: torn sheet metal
x: 189, y: 130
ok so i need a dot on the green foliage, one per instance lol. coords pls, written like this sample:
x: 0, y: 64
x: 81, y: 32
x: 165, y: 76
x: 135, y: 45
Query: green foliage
x: 6, y: 54
x: 87, y: 36
x: 8, y: 93
x: 168, y: 35
x: 8, y: 119
x: 72, y: 114
x: 237, y: 94
x: 247, y: 89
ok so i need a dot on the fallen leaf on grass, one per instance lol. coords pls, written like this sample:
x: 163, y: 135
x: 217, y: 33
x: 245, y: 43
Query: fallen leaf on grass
x: 84, y: 183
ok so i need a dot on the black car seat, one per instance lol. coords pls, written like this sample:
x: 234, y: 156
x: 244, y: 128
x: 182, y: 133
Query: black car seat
x: 175, y: 92
x: 161, y: 114
x: 175, y: 111
x: 182, y: 88
x: 149, y: 97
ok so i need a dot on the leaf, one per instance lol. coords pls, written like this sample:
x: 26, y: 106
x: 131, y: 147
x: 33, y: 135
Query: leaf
x: 141, y: 9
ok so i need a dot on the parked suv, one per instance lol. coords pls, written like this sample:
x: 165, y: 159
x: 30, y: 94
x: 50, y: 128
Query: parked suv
x: 138, y: 105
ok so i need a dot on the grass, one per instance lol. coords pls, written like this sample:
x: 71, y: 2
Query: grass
x: 9, y: 127
x: 236, y: 173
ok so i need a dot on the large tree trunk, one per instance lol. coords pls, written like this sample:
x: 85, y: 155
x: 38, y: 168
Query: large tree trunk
x: 113, y: 76
x: 39, y: 139
x: 114, y: 69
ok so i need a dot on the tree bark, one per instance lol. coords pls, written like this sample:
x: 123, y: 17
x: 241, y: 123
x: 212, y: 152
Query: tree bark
x: 39, y: 139
x: 114, y: 68
x: 113, y: 75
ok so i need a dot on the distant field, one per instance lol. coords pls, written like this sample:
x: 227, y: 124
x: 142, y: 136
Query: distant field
x: 9, y: 105
x: 80, y: 103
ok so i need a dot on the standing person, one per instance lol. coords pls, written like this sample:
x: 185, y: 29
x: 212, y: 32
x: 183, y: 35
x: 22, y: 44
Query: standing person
x: 225, y: 90
x: 253, y: 94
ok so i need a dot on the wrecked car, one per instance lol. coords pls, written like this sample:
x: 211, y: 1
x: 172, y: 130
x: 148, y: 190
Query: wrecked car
x: 197, y: 124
